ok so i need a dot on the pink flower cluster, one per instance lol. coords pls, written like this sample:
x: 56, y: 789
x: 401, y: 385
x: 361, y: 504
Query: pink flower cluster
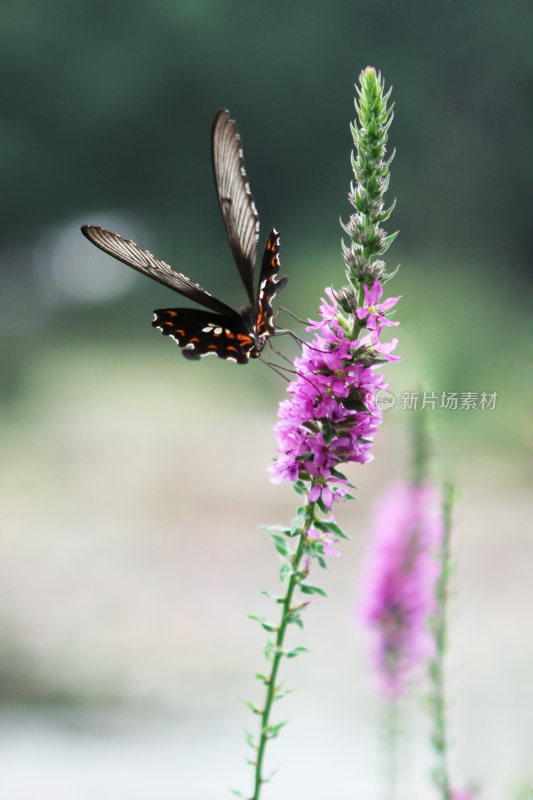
x: 400, y: 581
x: 332, y: 416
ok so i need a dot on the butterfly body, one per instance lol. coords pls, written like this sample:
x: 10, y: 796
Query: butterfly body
x: 233, y: 335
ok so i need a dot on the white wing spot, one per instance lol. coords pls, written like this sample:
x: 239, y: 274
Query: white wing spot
x: 189, y: 346
x: 211, y: 353
x: 208, y: 328
x: 217, y: 331
x: 230, y: 358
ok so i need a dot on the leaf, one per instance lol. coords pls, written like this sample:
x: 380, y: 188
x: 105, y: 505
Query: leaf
x: 253, y: 708
x: 308, y: 588
x: 391, y: 274
x: 250, y: 739
x: 297, y: 620
x: 322, y: 507
x: 274, y: 772
x: 276, y: 529
x: 388, y: 241
x: 268, y: 626
x: 286, y: 571
x: 271, y: 596
x: 339, y: 475
x: 296, y: 652
x: 329, y: 527
x: 279, y: 695
x: 383, y: 217
x: 272, y: 731
x: 280, y: 544
x: 298, y: 521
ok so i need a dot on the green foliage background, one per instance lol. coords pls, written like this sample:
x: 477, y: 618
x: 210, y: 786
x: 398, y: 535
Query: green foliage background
x: 109, y: 106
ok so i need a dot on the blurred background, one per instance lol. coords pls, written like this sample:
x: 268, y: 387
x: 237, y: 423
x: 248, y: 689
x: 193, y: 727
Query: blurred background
x: 133, y: 482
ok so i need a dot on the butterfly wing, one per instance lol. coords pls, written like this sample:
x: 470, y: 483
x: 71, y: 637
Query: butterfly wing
x: 201, y: 333
x: 143, y: 261
x: 238, y: 208
x: 269, y: 285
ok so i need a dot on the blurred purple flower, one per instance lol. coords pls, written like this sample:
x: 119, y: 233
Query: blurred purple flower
x: 463, y: 794
x: 399, y: 582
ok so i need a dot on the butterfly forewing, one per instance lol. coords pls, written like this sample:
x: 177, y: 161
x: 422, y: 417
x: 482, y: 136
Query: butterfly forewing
x: 143, y: 261
x: 200, y: 333
x: 269, y: 285
x: 238, y: 208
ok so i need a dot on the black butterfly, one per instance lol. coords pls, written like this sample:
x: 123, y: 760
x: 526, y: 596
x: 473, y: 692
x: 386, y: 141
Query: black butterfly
x: 222, y: 331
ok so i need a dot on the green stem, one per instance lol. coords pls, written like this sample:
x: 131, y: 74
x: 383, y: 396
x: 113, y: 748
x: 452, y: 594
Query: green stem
x: 270, y: 682
x: 441, y: 776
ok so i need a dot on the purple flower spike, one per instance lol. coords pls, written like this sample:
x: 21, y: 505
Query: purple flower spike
x: 331, y: 416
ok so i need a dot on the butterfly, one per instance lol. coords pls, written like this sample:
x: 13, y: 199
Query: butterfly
x: 234, y: 335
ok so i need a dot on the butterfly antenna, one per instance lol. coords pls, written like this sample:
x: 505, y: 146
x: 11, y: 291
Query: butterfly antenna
x: 277, y: 369
x: 279, y: 353
x: 292, y: 371
x: 286, y: 310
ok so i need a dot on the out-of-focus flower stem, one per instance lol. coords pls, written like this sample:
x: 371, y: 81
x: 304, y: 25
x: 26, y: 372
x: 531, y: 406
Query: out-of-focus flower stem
x: 391, y: 734
x: 436, y: 667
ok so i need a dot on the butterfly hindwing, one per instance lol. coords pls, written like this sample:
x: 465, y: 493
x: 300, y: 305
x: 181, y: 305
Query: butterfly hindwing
x: 269, y: 285
x: 201, y: 333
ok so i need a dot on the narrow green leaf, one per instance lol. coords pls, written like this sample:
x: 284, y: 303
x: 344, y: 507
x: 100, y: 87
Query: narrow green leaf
x: 280, y: 543
x: 268, y: 626
x: 383, y: 217
x: 281, y: 694
x: 276, y: 529
x: 308, y: 588
x: 250, y: 739
x: 271, y: 596
x: 329, y: 527
x: 388, y: 241
x: 273, y: 730
x: 296, y: 652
